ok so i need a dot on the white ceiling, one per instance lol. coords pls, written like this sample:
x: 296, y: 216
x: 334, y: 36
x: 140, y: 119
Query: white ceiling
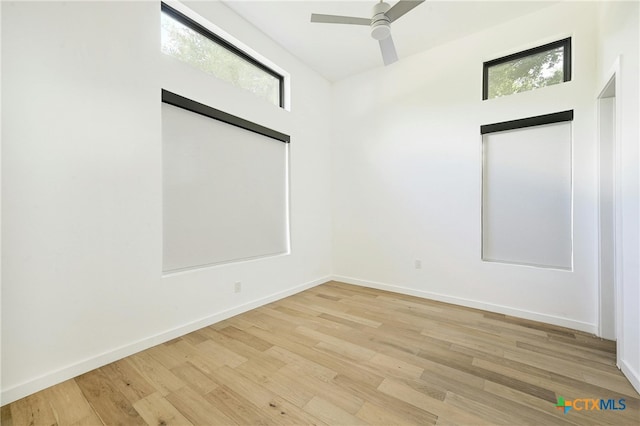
x: 338, y: 51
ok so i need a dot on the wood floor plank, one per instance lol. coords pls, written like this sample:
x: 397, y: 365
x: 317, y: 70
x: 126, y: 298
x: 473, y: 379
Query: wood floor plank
x: 296, y: 320
x: 159, y: 376
x: 395, y: 366
x: 68, y: 402
x: 242, y: 385
x: 33, y: 410
x: 559, y: 384
x: 236, y: 407
x: 110, y: 405
x: 259, y: 369
x: 193, y: 338
x: 196, y: 408
x: 6, y: 419
x: 90, y: 420
x: 329, y: 309
x: 290, y: 388
x: 554, y: 365
x: 156, y: 410
x: 126, y: 379
x: 337, y: 396
x: 425, y: 402
x: 196, y: 357
x: 340, y: 354
x: 340, y: 346
x: 485, y: 343
x: 226, y: 356
x: 576, y: 418
x: 195, y: 378
x: 270, y: 405
x: 376, y: 340
x: 166, y: 355
x: 331, y: 414
x: 438, y: 383
x: 329, y: 360
x: 585, y: 359
x: 393, y: 405
x: 329, y: 297
x: 272, y: 323
x: 611, y: 381
x: 489, y: 413
x: 301, y: 364
x: 514, y: 411
x: 475, y: 370
x: 246, y: 338
x: 232, y: 344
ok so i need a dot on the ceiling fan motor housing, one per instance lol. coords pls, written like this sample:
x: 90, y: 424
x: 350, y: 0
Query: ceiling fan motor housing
x: 380, y: 23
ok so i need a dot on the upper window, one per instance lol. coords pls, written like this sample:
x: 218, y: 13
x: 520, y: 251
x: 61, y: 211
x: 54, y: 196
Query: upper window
x: 531, y: 69
x: 194, y: 44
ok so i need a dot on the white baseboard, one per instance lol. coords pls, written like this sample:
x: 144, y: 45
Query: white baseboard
x: 27, y: 388
x: 530, y: 315
x: 632, y: 375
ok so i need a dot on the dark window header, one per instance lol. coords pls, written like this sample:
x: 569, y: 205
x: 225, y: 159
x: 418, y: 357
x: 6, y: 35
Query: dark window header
x: 202, y: 109
x: 556, y: 117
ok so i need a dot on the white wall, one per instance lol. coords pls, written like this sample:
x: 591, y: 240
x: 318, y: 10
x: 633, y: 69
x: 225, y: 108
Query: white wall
x: 619, y: 36
x: 82, y: 226
x: 407, y: 173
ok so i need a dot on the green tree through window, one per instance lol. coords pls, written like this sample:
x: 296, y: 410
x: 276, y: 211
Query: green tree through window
x: 189, y: 46
x: 528, y: 70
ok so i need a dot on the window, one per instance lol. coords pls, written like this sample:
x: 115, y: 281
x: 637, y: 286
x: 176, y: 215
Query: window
x: 534, y: 68
x: 225, y: 187
x: 194, y: 44
x: 527, y: 191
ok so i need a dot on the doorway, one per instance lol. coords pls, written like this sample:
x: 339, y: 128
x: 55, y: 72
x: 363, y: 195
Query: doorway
x: 609, y: 301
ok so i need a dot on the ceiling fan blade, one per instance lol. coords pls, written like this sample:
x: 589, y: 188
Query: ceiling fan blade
x: 388, y: 50
x: 335, y: 19
x: 402, y: 7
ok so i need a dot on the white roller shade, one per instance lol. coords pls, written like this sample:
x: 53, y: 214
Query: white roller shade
x: 527, y: 196
x: 225, y: 192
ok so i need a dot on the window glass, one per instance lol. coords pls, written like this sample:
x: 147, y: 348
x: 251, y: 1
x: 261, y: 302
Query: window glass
x: 181, y: 40
x: 527, y: 70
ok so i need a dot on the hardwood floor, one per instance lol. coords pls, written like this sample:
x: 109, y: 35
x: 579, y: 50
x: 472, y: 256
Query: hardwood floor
x: 344, y: 355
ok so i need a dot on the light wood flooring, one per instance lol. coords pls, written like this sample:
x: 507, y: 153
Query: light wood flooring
x: 344, y: 355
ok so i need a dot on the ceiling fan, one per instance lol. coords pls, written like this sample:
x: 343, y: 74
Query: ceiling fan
x: 380, y: 23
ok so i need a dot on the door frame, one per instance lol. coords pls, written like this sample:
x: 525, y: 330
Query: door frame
x: 612, y: 77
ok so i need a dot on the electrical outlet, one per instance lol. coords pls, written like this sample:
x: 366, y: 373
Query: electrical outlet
x: 237, y: 287
x: 418, y: 264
